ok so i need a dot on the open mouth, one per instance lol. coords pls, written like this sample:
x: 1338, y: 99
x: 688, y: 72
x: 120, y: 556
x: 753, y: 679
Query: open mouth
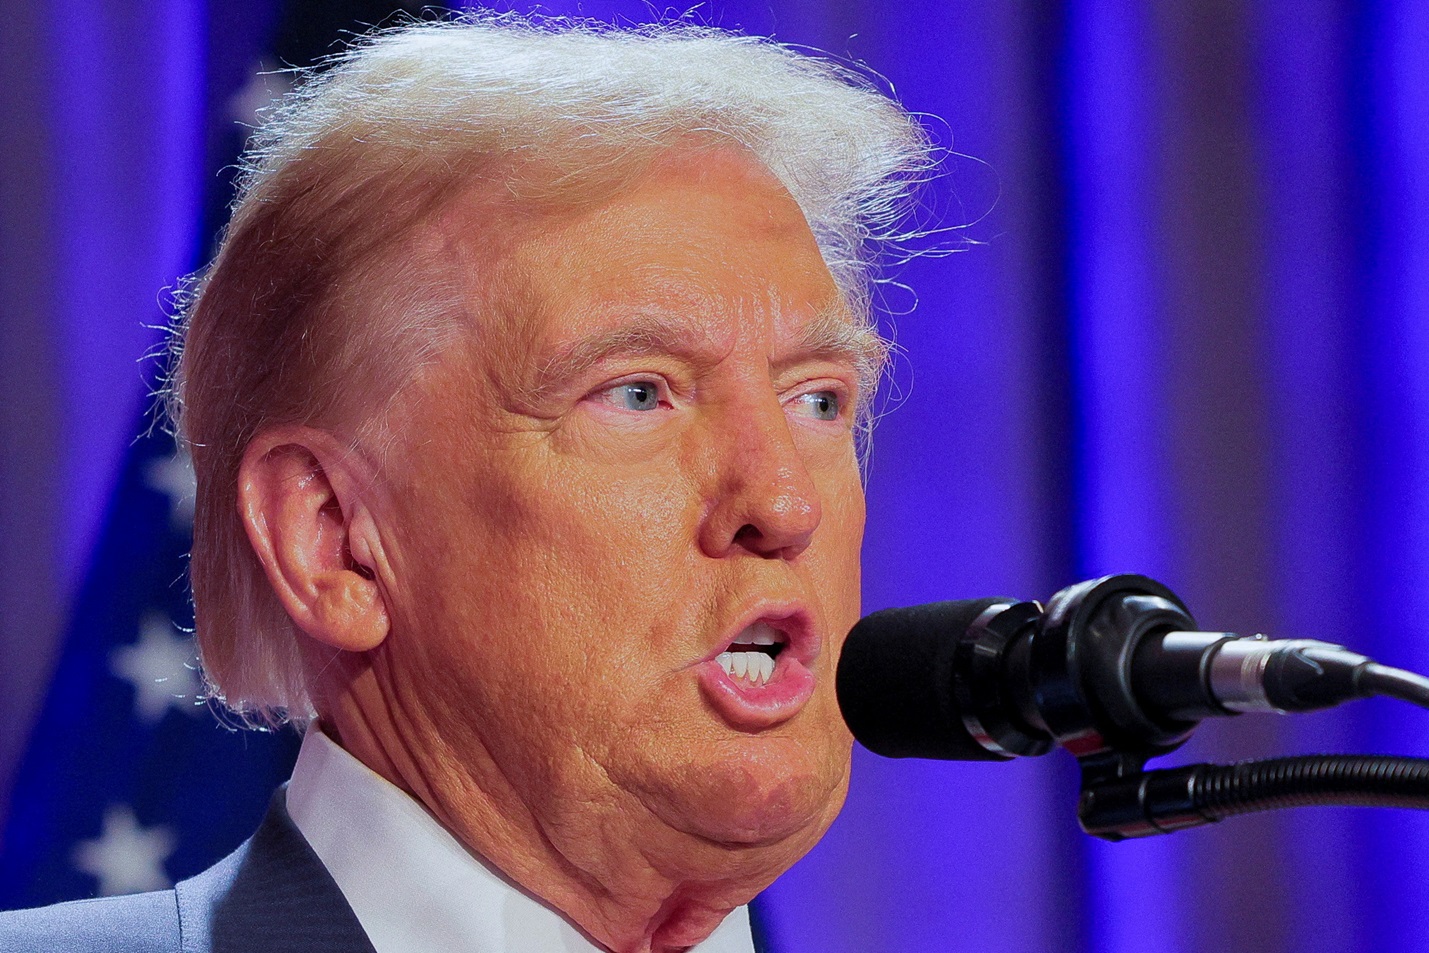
x: 751, y: 655
x: 761, y: 677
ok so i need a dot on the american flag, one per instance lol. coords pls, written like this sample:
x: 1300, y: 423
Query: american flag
x: 131, y: 781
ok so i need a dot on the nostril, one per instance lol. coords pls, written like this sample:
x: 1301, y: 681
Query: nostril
x: 748, y: 533
x: 752, y: 539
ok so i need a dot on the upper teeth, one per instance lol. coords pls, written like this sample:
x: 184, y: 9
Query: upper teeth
x: 755, y: 666
x: 761, y: 633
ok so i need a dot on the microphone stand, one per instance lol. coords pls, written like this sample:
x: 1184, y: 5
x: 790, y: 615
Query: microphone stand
x: 1120, y: 800
x: 1080, y: 665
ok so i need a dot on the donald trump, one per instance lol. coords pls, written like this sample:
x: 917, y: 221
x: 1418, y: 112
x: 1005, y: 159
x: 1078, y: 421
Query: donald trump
x: 524, y: 396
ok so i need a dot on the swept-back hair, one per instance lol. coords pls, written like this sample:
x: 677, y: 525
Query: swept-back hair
x: 309, y: 314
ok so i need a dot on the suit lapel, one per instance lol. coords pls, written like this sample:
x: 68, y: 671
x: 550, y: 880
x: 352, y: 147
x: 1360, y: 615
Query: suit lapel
x: 272, y: 894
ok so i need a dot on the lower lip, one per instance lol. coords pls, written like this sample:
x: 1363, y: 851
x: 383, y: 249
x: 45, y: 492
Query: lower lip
x: 750, y: 707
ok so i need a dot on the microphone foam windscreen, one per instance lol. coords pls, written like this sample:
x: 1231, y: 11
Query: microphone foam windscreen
x: 895, y: 682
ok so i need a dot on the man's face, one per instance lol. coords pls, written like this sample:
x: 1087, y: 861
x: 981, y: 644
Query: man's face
x: 647, y: 464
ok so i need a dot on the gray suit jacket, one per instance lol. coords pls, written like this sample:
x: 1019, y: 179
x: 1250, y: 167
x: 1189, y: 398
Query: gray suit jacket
x: 272, y: 895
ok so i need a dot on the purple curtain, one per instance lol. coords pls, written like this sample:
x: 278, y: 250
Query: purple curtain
x: 103, y: 170
x: 1189, y: 338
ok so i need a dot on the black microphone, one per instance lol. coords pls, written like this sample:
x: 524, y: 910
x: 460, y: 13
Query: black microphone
x: 899, y: 674
x: 1115, y: 671
x: 1112, y: 666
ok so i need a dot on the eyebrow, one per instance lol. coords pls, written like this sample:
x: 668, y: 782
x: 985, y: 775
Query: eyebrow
x: 831, y: 336
x: 647, y: 334
x: 834, y: 335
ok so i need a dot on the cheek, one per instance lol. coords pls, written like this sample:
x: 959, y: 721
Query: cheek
x: 840, y: 538
x: 563, y: 567
x: 622, y: 538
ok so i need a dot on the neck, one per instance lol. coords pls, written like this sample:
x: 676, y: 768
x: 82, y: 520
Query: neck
x: 625, y: 879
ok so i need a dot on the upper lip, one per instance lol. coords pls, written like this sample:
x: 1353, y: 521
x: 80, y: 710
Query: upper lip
x: 792, y: 619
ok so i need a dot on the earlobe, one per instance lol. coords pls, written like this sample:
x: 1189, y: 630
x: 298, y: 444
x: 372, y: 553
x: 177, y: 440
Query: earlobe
x: 314, y: 535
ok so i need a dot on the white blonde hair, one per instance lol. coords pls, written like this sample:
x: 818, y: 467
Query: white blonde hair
x: 361, y: 152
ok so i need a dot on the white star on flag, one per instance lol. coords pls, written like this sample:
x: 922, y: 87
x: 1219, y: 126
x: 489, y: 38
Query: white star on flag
x: 161, y: 667
x: 126, y: 858
x: 174, y: 477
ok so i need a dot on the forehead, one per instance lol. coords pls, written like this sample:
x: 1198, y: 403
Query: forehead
x: 705, y: 244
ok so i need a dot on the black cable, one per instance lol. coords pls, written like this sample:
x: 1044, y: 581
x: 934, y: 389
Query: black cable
x: 1376, y: 679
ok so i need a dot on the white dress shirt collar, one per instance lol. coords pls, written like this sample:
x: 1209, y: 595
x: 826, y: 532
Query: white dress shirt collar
x: 412, y: 885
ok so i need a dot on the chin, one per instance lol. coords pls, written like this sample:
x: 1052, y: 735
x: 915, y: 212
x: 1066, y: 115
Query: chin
x: 763, y: 797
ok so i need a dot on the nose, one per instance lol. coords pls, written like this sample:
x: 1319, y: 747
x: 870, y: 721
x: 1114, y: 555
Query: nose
x: 764, y: 501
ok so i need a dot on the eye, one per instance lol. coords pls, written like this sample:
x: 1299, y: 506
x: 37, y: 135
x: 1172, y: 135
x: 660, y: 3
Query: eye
x: 822, y: 404
x: 635, y: 395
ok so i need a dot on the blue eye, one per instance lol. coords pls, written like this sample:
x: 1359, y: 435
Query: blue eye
x: 825, y: 404
x: 638, y: 395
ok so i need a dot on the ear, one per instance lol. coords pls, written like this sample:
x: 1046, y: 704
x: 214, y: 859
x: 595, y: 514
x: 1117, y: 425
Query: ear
x: 304, y: 499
